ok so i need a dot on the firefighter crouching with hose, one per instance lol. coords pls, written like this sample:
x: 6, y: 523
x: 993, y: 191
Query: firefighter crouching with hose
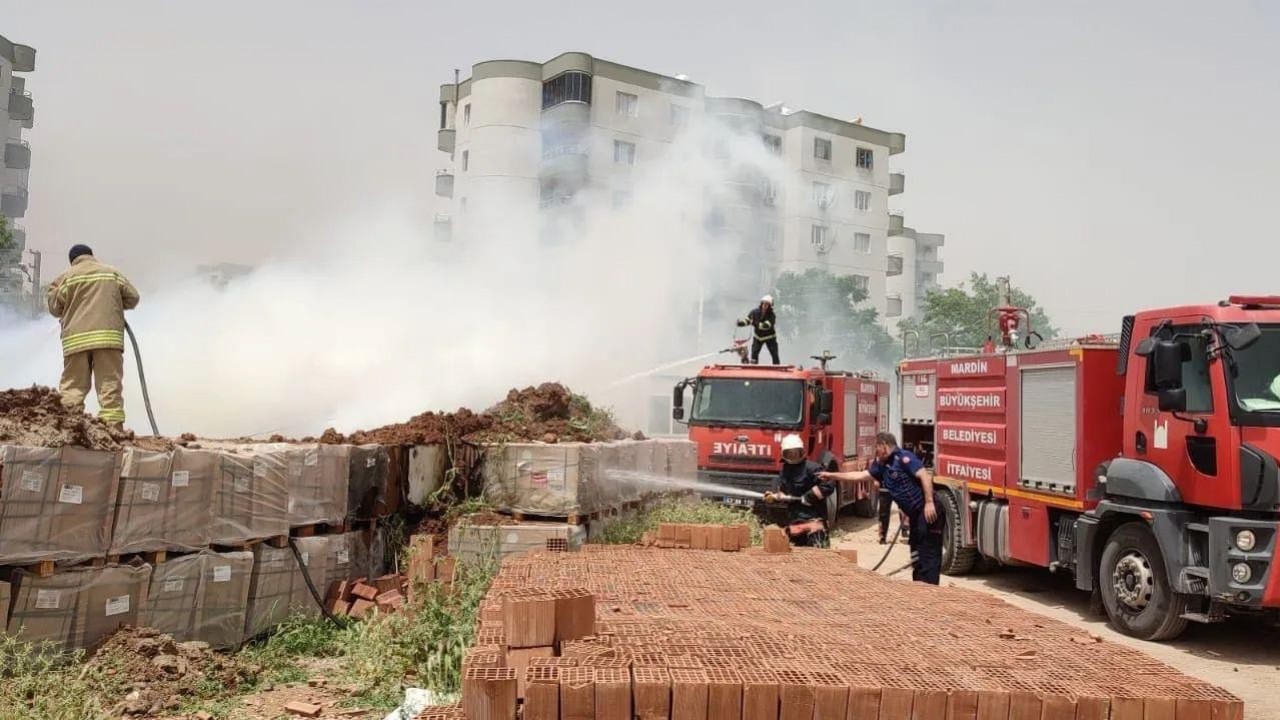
x: 802, y: 489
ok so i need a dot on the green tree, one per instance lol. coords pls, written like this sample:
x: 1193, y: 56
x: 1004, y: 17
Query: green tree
x: 962, y: 312
x: 819, y: 311
x: 6, y: 236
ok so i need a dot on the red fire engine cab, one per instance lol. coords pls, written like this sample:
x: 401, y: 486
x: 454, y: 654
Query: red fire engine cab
x: 1146, y: 464
x: 740, y: 413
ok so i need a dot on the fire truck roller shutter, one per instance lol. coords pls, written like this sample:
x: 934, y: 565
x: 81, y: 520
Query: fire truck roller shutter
x: 1049, y: 428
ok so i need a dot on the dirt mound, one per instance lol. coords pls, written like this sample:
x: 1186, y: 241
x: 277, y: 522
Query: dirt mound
x: 35, y: 417
x: 547, y: 413
x: 158, y: 675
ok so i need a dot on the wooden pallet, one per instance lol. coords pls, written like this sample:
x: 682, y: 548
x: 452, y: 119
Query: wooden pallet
x: 275, y: 541
x: 332, y: 528
x: 569, y: 519
x: 152, y: 557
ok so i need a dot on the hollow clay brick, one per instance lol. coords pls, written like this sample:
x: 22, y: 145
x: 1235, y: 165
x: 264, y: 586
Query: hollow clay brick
x: 613, y: 694
x: 445, y: 568
x: 1227, y: 709
x: 850, y: 555
x: 796, y: 696
x: 518, y: 658
x: 361, y: 607
x: 715, y: 537
x: 831, y: 702
x: 929, y: 705
x: 577, y: 693
x: 688, y: 695
x: 489, y: 693
x: 963, y: 705
x: 542, y: 693
x: 1024, y: 706
x: 1055, y: 707
x: 698, y: 536
x: 1194, y: 710
x: 729, y: 539
x: 1123, y: 708
x: 387, y: 583
x: 364, y: 591
x: 895, y: 704
x: 683, y: 535
x: 993, y: 705
x: 744, y: 535
x: 1160, y: 709
x: 575, y: 611
x: 775, y: 540
x: 1092, y: 708
x: 864, y: 703
x: 651, y: 691
x: 724, y: 694
x: 529, y: 621
x: 667, y: 532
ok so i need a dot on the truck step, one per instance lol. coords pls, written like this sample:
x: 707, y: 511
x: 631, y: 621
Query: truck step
x: 1199, y: 527
x: 1206, y: 618
x: 1196, y: 571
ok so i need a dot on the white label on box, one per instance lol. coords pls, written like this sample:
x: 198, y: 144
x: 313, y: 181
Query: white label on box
x: 555, y: 478
x: 344, y: 556
x: 371, y: 462
x: 48, y: 599
x: 259, y: 469
x: 222, y: 573
x: 181, y: 478
x: 32, y: 481
x: 174, y: 585
x: 513, y: 538
x: 290, y: 506
x: 242, y: 483
x: 71, y: 494
x: 313, y: 458
x: 117, y: 605
x: 151, y: 491
x: 306, y: 559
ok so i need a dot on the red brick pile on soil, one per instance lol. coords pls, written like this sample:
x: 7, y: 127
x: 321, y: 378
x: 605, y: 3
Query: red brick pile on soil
x: 549, y: 412
x: 35, y: 417
x: 809, y: 629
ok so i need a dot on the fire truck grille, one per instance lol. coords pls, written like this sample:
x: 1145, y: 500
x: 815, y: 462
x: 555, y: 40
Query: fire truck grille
x: 740, y: 460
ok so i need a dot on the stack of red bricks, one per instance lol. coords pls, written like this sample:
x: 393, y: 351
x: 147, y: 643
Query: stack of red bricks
x: 357, y: 598
x: 730, y: 538
x: 804, y: 635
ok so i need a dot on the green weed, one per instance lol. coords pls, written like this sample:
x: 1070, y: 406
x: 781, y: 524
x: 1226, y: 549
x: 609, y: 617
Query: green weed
x: 626, y: 531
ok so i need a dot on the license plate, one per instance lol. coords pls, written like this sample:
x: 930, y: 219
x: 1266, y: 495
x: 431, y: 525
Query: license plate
x: 739, y: 501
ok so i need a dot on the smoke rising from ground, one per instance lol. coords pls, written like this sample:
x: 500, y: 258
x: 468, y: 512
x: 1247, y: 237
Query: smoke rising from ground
x: 377, y: 321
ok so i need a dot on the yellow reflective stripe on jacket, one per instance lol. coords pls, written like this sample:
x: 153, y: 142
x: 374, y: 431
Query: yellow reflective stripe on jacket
x: 766, y: 338
x: 91, y: 277
x: 96, y: 337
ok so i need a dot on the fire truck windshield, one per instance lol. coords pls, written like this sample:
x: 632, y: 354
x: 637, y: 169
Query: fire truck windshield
x: 727, y: 401
x: 1257, y: 378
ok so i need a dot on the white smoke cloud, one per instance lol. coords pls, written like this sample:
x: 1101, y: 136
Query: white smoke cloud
x: 377, y: 322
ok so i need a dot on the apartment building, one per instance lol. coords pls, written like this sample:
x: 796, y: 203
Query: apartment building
x: 16, y: 114
x: 532, y: 142
x: 914, y: 267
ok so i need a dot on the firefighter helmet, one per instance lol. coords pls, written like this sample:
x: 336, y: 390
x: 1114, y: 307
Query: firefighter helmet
x: 767, y: 299
x: 792, y: 449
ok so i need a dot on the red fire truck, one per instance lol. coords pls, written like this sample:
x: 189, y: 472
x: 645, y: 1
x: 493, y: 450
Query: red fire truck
x: 1145, y: 464
x: 740, y: 413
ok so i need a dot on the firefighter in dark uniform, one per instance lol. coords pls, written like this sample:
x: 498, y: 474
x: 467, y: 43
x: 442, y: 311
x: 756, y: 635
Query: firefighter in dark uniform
x: 764, y: 324
x: 905, y: 478
x: 805, y: 493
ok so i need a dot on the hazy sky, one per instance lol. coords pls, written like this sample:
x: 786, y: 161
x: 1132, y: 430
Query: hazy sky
x: 1108, y: 155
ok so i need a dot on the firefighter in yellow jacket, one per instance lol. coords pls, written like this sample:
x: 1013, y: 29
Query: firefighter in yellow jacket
x: 90, y: 299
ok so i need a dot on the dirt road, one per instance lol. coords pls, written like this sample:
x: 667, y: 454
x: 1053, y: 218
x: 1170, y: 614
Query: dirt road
x: 1241, y: 655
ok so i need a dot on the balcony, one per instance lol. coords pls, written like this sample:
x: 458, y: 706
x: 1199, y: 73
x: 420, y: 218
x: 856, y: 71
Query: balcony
x: 446, y: 139
x: 897, y: 143
x: 929, y: 266
x: 20, y: 106
x: 897, y: 182
x: 895, y: 223
x: 17, y: 154
x: 568, y: 161
x: 444, y: 183
x: 442, y: 228
x: 13, y: 201
x: 895, y: 265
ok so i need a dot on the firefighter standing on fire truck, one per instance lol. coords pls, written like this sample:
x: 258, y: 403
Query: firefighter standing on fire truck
x: 904, y: 476
x: 763, y: 323
x: 801, y: 486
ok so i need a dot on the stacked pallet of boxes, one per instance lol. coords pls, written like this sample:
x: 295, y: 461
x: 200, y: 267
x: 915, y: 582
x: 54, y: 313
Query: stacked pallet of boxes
x: 192, y: 541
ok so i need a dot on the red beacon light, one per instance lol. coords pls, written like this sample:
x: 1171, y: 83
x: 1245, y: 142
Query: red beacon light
x: 1255, y: 301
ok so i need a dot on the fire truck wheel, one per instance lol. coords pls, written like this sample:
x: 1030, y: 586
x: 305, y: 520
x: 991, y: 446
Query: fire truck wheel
x: 956, y: 559
x: 1135, y: 586
x: 833, y: 511
x: 868, y: 506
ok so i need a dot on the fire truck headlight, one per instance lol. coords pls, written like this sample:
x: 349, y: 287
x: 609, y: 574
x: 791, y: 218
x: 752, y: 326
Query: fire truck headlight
x: 1241, y: 573
x: 1246, y: 540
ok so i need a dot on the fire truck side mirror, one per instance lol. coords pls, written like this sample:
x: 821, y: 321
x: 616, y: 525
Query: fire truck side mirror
x: 1172, y: 400
x: 826, y: 401
x: 1167, y: 358
x: 677, y: 402
x: 1239, y: 338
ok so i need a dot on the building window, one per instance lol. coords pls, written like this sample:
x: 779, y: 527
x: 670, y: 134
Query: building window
x: 466, y: 114
x: 621, y: 199
x: 862, y: 242
x: 566, y: 87
x: 862, y: 283
x: 444, y: 116
x: 466, y: 160
x: 627, y: 105
x: 774, y: 143
x: 821, y: 194
x: 771, y: 236
x: 624, y: 153
x: 768, y: 193
x: 862, y: 200
x: 679, y: 116
x: 866, y: 158
x: 820, y: 237
x: 822, y: 149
